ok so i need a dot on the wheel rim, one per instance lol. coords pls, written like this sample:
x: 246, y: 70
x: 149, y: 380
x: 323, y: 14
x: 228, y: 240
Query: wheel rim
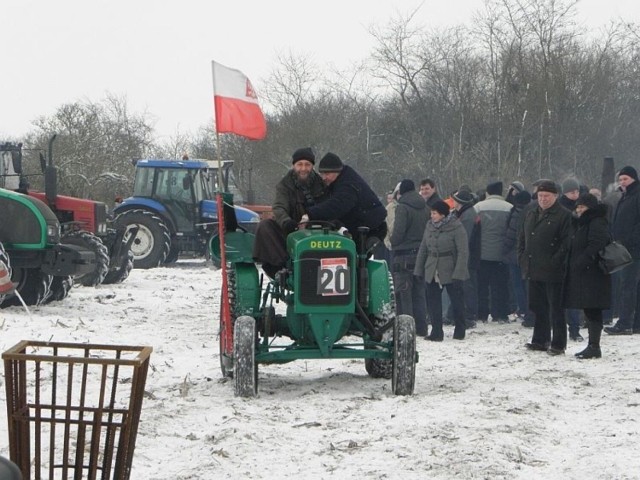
x: 143, y: 244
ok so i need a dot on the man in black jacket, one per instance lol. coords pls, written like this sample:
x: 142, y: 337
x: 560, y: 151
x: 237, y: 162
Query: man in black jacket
x: 408, y: 229
x: 296, y: 192
x: 350, y: 201
x: 542, y: 254
x: 626, y: 230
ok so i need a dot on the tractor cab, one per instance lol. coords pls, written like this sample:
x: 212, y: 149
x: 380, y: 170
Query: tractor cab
x: 182, y: 189
x: 10, y: 165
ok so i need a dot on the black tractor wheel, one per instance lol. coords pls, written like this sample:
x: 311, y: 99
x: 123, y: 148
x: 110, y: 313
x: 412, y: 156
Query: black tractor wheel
x: 153, y: 241
x: 60, y: 288
x: 380, y: 367
x: 121, y: 273
x: 32, y: 284
x: 404, y: 355
x: 245, y: 367
x: 90, y: 242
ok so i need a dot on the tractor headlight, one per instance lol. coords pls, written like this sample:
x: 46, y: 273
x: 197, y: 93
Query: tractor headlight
x: 53, y: 233
x: 102, y: 229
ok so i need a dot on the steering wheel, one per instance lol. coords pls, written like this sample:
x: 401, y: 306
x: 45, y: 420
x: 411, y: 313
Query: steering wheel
x: 318, y: 224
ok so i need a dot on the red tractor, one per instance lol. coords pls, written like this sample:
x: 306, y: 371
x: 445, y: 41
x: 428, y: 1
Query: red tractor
x: 84, y: 222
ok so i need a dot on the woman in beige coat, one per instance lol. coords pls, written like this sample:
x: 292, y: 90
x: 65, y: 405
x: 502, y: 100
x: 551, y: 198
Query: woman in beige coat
x: 442, y: 262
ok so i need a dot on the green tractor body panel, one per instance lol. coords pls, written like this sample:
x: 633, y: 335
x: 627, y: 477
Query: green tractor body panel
x: 324, y: 271
x: 247, y: 290
x: 30, y: 224
x: 380, y: 286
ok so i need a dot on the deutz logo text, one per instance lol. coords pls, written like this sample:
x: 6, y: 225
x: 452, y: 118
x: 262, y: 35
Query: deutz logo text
x: 326, y: 244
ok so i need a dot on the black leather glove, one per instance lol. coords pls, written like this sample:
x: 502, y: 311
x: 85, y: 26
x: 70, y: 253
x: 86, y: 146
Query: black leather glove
x: 289, y: 226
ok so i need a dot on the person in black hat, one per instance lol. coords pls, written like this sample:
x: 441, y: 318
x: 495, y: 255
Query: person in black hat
x: 586, y: 287
x: 296, y: 192
x: 350, y: 202
x: 625, y: 229
x: 463, y: 202
x: 410, y: 220
x: 442, y: 263
x: 543, y: 245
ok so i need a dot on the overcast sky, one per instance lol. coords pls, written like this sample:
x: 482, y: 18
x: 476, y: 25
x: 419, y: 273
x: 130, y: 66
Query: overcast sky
x: 158, y: 53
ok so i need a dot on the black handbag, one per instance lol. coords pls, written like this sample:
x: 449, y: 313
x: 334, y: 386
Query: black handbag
x: 613, y: 257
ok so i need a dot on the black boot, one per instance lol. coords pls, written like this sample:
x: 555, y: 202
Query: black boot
x: 590, y: 352
x: 595, y: 331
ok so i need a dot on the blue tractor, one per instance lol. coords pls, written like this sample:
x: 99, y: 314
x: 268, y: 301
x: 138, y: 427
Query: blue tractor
x: 174, y: 208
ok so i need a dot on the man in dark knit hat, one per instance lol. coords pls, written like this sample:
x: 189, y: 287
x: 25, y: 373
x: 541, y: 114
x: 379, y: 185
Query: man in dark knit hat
x: 296, y: 192
x: 625, y: 228
x: 543, y: 246
x: 408, y: 228
x: 351, y: 201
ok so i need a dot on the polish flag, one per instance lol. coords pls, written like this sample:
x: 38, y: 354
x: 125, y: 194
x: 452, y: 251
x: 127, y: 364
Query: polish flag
x: 236, y: 104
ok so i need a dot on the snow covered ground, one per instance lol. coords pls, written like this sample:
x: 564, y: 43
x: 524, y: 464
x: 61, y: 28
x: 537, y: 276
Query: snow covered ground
x: 483, y: 408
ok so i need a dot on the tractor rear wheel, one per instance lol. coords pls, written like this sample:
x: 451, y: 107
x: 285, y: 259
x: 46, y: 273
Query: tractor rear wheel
x: 32, y: 284
x: 90, y: 242
x: 245, y: 367
x: 60, y: 288
x: 403, y: 378
x: 120, y: 274
x: 153, y: 241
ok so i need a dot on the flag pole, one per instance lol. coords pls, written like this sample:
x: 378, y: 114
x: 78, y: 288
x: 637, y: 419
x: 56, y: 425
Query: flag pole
x: 226, y: 327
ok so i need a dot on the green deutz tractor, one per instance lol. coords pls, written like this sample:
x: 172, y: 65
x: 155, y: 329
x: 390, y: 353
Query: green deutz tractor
x: 339, y: 304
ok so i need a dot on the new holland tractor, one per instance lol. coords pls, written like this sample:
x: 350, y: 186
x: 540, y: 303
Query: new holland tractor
x: 339, y: 304
x: 84, y: 222
x: 40, y: 267
x: 174, y: 211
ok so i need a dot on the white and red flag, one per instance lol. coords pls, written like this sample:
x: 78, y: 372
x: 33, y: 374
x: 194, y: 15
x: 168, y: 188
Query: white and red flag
x: 236, y: 104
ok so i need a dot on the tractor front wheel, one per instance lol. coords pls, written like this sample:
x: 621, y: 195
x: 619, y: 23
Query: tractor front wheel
x: 403, y: 376
x: 153, y: 241
x: 32, y: 284
x: 90, y: 242
x: 60, y: 288
x: 245, y: 367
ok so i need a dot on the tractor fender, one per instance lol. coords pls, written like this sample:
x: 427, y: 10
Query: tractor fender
x: 209, y: 210
x: 150, y: 205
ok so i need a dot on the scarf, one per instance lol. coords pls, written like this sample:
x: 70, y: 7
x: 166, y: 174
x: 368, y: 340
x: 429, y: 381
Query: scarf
x: 444, y: 221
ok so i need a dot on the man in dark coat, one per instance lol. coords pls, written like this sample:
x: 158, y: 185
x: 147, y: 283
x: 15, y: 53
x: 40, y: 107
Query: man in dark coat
x: 626, y: 230
x: 351, y: 201
x: 408, y: 229
x: 542, y: 253
x: 296, y: 192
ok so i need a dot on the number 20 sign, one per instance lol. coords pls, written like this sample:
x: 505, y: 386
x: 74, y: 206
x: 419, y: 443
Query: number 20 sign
x: 334, y: 277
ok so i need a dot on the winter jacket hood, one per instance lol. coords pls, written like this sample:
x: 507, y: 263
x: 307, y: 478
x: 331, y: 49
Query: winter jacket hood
x: 409, y: 223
